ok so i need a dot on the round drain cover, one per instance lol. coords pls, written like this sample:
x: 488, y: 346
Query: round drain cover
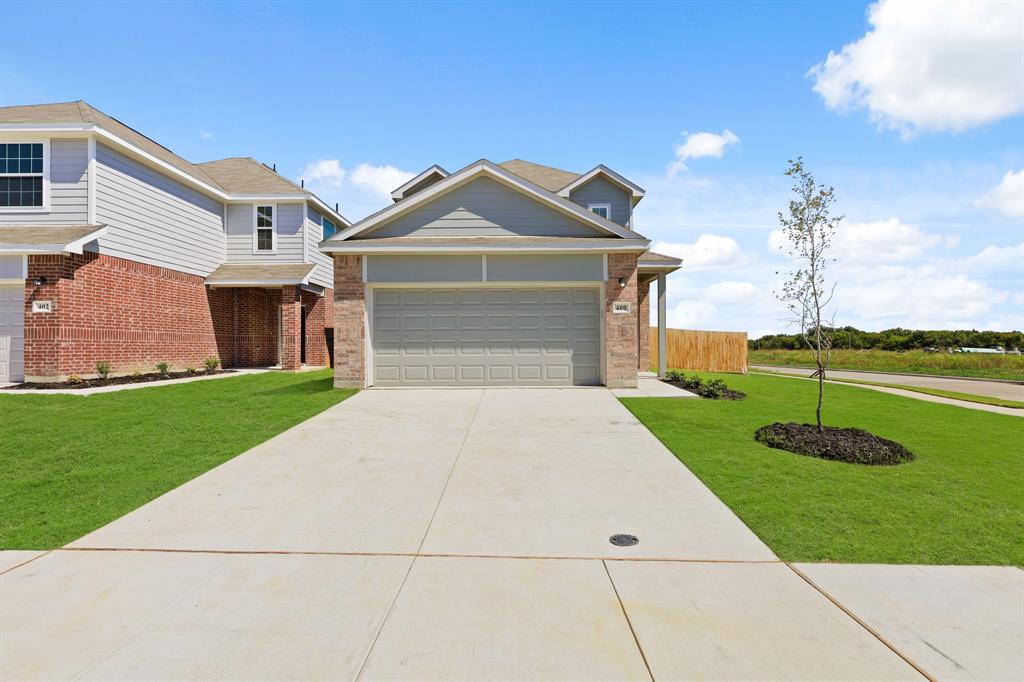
x: 622, y: 540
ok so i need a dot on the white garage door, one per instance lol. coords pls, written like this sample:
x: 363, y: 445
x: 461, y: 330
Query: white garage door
x: 12, y: 333
x: 528, y: 336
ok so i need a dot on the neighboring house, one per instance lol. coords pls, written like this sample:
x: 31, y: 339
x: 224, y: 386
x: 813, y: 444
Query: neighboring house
x: 497, y: 274
x: 115, y: 249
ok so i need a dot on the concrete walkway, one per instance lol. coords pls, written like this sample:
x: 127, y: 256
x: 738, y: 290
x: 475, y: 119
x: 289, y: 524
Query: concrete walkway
x: 458, y: 535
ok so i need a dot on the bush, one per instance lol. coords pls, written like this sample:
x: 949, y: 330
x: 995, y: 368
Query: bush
x: 103, y: 369
x: 675, y: 375
x: 190, y: 370
x: 212, y: 364
x: 855, y: 446
x: 74, y: 379
x: 692, y: 383
x: 163, y: 368
x: 713, y: 389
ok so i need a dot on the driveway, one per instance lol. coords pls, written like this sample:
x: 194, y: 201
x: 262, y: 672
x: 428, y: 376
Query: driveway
x: 436, y: 534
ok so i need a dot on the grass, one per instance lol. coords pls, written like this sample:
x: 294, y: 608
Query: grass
x: 70, y: 464
x: 959, y: 502
x: 911, y: 362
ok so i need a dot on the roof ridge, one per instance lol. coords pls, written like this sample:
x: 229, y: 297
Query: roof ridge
x: 541, y: 165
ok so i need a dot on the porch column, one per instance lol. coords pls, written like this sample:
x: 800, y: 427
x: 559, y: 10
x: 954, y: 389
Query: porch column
x: 662, y: 334
x: 291, y: 327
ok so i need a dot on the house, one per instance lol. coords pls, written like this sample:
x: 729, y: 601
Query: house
x: 497, y: 274
x: 115, y: 249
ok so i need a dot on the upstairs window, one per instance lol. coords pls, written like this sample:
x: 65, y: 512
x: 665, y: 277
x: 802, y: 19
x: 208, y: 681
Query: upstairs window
x: 265, y: 232
x: 22, y: 172
x: 603, y: 210
x: 329, y: 229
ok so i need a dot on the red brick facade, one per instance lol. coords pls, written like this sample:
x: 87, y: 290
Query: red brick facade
x: 349, y: 322
x: 620, y: 329
x: 644, y: 325
x: 134, y: 315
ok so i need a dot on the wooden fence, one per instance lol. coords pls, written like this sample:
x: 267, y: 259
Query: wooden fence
x: 703, y: 351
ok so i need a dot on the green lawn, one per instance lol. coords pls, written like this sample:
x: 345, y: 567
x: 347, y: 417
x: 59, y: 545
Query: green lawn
x: 911, y: 362
x: 959, y: 502
x: 70, y: 464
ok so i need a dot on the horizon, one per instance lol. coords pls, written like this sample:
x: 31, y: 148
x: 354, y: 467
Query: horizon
x: 701, y: 105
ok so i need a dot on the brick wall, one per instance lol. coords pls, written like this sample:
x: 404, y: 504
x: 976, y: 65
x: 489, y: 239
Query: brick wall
x: 107, y: 309
x: 644, y: 326
x: 245, y: 321
x: 349, y: 321
x: 291, y: 330
x: 620, y: 329
x: 319, y: 327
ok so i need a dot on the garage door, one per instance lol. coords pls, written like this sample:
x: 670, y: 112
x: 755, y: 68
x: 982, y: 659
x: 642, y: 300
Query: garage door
x: 482, y: 336
x: 12, y: 333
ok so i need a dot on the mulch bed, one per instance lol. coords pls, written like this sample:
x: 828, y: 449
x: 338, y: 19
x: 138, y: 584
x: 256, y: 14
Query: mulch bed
x: 113, y: 381
x: 855, y: 446
x: 728, y: 394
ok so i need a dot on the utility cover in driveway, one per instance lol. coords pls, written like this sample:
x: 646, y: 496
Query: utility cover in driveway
x: 529, y: 336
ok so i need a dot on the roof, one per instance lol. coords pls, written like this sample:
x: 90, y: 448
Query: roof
x: 547, y: 177
x: 82, y: 112
x: 660, y: 257
x: 419, y: 182
x: 652, y: 261
x: 246, y: 175
x: 635, y: 191
x: 241, y: 274
x: 47, y: 238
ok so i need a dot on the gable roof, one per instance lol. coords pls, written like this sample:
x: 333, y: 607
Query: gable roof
x: 483, y: 168
x: 635, y: 191
x: 246, y: 175
x: 435, y: 170
x: 551, y: 179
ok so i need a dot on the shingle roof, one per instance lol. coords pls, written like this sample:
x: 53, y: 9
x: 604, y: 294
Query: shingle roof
x: 660, y: 257
x: 282, y: 273
x: 551, y: 179
x: 24, y: 235
x: 246, y: 175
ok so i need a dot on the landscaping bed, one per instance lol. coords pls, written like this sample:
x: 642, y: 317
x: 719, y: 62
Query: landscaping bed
x: 112, y: 381
x: 712, y: 389
x: 855, y: 446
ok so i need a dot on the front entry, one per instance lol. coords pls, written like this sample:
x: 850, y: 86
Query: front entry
x: 486, y: 336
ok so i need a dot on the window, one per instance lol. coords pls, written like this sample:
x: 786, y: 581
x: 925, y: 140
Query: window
x: 329, y: 229
x: 265, y: 232
x: 22, y: 174
x: 603, y: 210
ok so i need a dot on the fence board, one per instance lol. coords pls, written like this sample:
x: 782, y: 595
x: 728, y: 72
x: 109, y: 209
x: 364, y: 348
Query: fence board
x: 703, y: 351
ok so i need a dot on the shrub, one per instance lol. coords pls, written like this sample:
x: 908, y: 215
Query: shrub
x: 74, y: 379
x: 163, y: 368
x: 212, y: 364
x: 136, y: 374
x: 855, y: 446
x: 190, y: 370
x: 713, y: 389
x: 675, y: 375
x: 103, y: 369
x: 692, y: 383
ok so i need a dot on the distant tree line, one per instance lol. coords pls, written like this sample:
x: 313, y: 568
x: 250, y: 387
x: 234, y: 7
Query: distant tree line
x: 897, y: 339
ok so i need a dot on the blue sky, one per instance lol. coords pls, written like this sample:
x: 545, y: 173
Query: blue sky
x: 916, y: 121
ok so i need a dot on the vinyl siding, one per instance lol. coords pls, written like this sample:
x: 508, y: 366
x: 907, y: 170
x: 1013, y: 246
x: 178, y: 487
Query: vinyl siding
x: 424, y: 269
x: 154, y: 219
x: 69, y: 181
x: 600, y: 191
x: 288, y: 223
x: 484, y: 207
x: 324, y: 272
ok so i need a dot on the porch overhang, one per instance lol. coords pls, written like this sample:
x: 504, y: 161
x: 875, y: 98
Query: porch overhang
x: 265, y: 275
x: 28, y: 240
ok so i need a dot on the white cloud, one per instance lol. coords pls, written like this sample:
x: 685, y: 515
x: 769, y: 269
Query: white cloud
x: 996, y: 259
x: 691, y: 314
x: 1007, y: 197
x: 709, y: 252
x: 882, y: 241
x: 732, y: 293
x: 928, y: 65
x: 700, y: 145
x: 381, y: 180
x: 205, y: 135
x: 324, y: 173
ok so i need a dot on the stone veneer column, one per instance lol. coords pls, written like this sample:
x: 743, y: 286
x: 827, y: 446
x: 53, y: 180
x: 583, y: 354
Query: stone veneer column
x: 620, y: 329
x: 349, y: 322
x: 644, y: 326
x: 291, y: 327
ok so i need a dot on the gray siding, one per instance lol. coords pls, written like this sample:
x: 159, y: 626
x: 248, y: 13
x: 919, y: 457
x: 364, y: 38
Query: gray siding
x: 324, y: 272
x: 424, y: 269
x: 154, y: 219
x: 69, y: 181
x: 600, y: 191
x: 546, y: 268
x: 288, y: 222
x: 12, y: 267
x: 484, y: 207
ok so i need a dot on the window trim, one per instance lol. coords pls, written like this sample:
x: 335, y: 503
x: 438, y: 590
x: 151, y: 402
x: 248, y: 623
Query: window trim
x: 606, y: 206
x: 45, y: 208
x: 256, y: 251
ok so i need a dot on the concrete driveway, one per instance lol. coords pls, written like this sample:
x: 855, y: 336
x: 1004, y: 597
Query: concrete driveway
x: 435, y: 534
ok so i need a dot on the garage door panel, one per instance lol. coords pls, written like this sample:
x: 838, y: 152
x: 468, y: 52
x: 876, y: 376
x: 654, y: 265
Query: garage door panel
x: 12, y: 333
x: 506, y: 336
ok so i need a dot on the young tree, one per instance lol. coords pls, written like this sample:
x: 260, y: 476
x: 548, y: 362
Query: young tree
x: 809, y: 228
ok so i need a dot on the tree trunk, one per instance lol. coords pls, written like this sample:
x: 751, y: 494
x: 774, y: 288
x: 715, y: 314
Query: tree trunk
x: 821, y: 395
